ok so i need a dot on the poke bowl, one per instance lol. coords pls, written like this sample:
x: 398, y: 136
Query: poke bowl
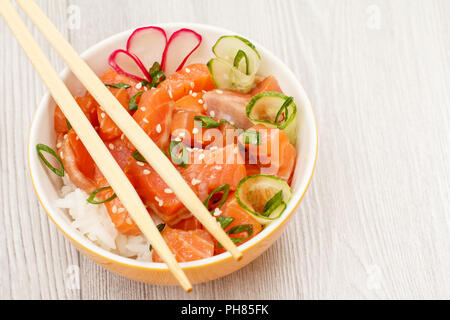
x: 128, y: 254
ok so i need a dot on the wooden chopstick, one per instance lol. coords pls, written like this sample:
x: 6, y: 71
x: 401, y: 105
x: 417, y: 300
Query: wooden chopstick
x: 129, y: 127
x: 102, y: 157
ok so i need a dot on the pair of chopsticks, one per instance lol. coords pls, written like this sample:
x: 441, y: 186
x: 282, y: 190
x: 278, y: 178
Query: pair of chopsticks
x: 95, y: 146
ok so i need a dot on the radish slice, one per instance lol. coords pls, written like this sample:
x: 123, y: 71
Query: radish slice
x: 129, y: 65
x: 181, y: 45
x: 147, y: 43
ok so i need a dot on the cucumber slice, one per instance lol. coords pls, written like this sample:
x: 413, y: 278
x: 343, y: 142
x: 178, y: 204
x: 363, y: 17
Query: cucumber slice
x: 225, y: 76
x: 227, y: 47
x: 259, y: 192
x: 274, y: 109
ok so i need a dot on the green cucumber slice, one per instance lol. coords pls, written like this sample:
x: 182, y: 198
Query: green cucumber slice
x: 225, y: 76
x: 274, y: 109
x: 228, y: 47
x: 256, y: 193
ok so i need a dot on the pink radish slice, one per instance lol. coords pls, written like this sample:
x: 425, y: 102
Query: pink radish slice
x: 147, y: 43
x: 180, y: 47
x: 128, y: 64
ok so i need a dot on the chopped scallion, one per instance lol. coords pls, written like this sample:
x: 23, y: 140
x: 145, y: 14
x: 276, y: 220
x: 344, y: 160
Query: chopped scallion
x: 42, y: 147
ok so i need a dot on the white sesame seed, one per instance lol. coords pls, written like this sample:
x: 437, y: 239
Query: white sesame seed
x: 170, y: 94
x: 139, y: 85
x: 200, y: 101
x: 177, y: 139
x: 236, y: 150
x: 141, y: 164
x: 192, y: 84
x: 187, y: 70
x: 143, y: 108
x: 195, y: 182
x: 114, y: 209
x: 121, y: 210
x: 128, y: 221
x: 201, y: 156
x: 61, y: 155
x: 158, y: 128
x: 111, y: 146
x: 103, y: 115
x: 194, y: 94
x: 160, y: 202
x: 65, y: 137
x: 219, y: 91
x: 212, y: 114
x: 168, y: 190
x: 59, y: 145
x: 146, y: 172
x: 195, y: 130
x: 145, y: 120
x: 217, y: 212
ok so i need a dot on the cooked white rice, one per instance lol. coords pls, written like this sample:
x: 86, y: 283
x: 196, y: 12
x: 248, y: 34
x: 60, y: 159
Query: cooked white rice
x: 93, y: 222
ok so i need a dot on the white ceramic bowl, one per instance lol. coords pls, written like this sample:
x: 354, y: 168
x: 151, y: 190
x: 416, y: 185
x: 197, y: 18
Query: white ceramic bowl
x: 47, y: 185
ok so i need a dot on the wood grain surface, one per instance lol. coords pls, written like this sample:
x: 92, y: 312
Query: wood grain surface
x: 375, y: 222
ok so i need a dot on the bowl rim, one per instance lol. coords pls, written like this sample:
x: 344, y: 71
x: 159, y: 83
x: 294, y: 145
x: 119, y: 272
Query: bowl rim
x: 96, y: 250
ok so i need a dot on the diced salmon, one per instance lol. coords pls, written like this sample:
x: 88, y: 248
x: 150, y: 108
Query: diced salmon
x: 108, y: 129
x: 269, y: 84
x: 89, y: 107
x: 194, y: 77
x: 187, y: 129
x: 77, y: 161
x: 120, y: 151
x: 191, y: 102
x: 275, y: 155
x: 187, y: 245
x: 232, y: 209
x: 231, y: 106
x: 228, y: 105
x: 188, y: 224
x: 154, y: 115
x: 112, y: 77
x: 155, y: 193
x: 117, y: 212
x: 212, y: 168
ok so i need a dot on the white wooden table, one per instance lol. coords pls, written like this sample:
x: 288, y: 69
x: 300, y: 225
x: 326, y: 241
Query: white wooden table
x: 375, y: 222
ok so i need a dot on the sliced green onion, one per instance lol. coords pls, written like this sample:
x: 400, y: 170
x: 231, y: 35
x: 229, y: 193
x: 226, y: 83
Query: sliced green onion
x: 120, y: 85
x: 206, y: 122
x: 224, y: 221
x: 69, y: 126
x: 132, y: 106
x: 157, y: 75
x: 155, y: 68
x: 273, y: 204
x: 42, y: 147
x: 225, y: 189
x: 138, y: 156
x: 237, y: 60
x: 178, y: 153
x: 161, y: 227
x: 252, y: 137
x: 92, y: 200
x: 239, y: 229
